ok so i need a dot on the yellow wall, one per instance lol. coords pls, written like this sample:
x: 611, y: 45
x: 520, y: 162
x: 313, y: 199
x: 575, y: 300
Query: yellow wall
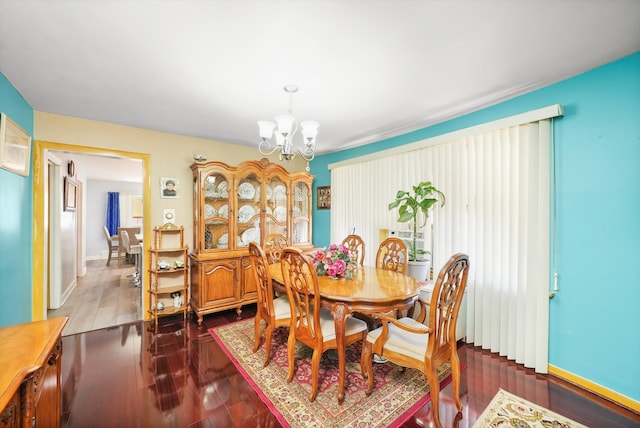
x: 171, y: 156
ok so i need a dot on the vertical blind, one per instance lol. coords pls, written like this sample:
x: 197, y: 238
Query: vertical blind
x: 496, y: 184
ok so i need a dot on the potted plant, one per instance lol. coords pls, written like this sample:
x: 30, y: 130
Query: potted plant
x: 414, y: 207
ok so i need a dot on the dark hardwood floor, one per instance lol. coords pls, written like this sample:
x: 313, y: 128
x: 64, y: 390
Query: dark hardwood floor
x: 127, y: 376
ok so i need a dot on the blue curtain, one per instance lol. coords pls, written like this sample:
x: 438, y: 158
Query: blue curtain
x: 113, y: 212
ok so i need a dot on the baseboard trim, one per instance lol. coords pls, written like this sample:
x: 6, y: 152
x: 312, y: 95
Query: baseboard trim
x: 607, y: 393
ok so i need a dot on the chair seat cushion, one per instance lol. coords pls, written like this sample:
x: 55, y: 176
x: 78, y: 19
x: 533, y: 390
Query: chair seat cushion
x: 281, y: 308
x: 353, y: 325
x: 401, y: 341
x: 135, y: 249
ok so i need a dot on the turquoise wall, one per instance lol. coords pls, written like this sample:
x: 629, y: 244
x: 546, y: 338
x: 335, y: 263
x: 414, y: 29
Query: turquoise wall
x: 16, y: 206
x: 594, y: 318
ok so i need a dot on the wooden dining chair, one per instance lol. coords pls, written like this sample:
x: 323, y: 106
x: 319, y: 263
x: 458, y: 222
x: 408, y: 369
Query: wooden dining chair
x: 355, y: 244
x: 408, y: 342
x: 274, y: 312
x: 392, y: 255
x: 112, y: 244
x: 273, y: 246
x: 313, y: 325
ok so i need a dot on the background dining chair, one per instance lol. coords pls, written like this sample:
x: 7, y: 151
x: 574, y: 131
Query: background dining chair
x: 355, y: 244
x: 132, y: 231
x: 274, y: 312
x: 136, y: 252
x: 112, y: 244
x: 407, y: 342
x: 392, y: 255
x: 273, y: 246
x: 314, y: 326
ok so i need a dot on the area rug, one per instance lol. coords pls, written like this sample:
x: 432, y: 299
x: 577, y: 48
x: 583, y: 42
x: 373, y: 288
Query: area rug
x: 397, y: 395
x: 508, y: 410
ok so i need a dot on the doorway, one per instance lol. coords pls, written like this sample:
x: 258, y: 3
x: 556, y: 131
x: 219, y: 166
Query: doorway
x: 46, y: 238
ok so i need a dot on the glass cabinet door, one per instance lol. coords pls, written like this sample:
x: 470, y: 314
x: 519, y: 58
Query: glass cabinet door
x: 215, y: 212
x: 248, y: 192
x: 276, y: 206
x: 301, y: 213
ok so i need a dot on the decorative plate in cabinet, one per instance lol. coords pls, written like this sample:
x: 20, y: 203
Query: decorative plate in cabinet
x: 224, y: 211
x: 280, y: 213
x: 280, y: 193
x: 245, y: 213
x: 246, y: 191
x: 251, y: 234
x: 223, y: 190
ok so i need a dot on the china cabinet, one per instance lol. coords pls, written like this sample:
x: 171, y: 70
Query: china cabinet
x: 168, y: 272
x: 234, y: 205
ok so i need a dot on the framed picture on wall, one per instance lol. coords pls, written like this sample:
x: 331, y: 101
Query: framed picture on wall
x: 15, y: 147
x: 169, y: 188
x: 323, y: 197
x: 70, y: 194
x: 136, y: 206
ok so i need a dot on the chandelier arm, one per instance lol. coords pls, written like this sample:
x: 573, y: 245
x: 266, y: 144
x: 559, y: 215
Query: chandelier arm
x: 265, y: 147
x: 307, y: 154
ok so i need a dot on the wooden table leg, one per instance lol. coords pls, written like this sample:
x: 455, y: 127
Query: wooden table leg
x: 340, y: 313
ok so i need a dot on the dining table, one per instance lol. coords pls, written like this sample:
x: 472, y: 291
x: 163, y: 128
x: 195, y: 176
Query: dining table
x: 370, y: 290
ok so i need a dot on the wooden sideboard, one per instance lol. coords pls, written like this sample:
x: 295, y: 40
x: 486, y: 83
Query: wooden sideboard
x: 30, y: 362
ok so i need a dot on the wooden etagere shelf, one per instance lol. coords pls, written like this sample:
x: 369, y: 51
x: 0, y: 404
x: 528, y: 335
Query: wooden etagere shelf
x: 168, y: 272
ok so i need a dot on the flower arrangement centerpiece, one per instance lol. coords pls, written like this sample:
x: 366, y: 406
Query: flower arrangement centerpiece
x: 335, y: 262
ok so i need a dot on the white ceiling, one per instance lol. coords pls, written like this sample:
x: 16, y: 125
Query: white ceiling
x: 365, y: 69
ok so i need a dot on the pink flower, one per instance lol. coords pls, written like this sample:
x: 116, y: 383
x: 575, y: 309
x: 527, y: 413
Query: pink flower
x: 340, y: 267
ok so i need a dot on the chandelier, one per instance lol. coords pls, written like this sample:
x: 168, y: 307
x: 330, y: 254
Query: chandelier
x: 285, y: 129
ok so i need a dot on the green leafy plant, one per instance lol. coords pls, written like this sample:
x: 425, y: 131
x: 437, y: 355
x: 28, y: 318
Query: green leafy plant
x: 414, y: 207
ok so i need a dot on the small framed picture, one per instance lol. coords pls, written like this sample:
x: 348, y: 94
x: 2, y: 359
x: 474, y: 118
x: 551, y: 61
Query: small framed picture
x: 70, y: 197
x: 323, y: 197
x: 15, y: 147
x: 169, y: 188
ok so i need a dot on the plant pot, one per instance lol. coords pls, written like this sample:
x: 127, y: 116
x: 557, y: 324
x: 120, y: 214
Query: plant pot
x: 419, y: 269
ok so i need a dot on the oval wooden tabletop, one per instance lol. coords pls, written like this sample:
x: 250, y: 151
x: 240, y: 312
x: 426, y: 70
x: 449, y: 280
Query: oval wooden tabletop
x: 370, y: 285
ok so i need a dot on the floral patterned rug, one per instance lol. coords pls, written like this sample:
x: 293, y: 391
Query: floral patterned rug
x: 508, y: 410
x: 396, y: 396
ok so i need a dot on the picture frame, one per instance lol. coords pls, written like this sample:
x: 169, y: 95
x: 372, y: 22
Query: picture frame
x: 137, y: 207
x: 15, y: 147
x: 169, y: 187
x: 323, y: 197
x: 70, y: 194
